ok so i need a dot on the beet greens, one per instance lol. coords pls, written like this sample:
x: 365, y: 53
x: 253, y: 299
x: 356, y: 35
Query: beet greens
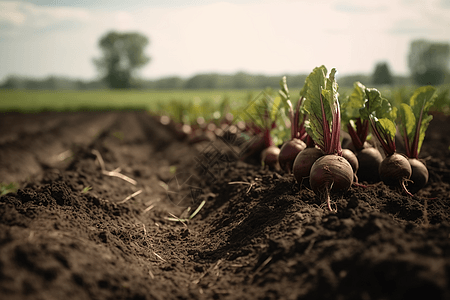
x: 357, y: 127
x: 415, y: 119
x: 322, y: 106
x: 369, y: 158
x: 330, y: 171
x: 296, y: 115
x: 295, y: 144
x: 381, y: 116
x: 414, y: 122
x: 264, y: 113
x: 395, y: 169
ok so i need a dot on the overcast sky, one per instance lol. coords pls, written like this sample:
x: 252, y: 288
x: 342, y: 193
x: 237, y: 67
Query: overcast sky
x: 273, y: 37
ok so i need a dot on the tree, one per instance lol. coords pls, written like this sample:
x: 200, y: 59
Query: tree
x: 169, y: 83
x: 428, y: 61
x: 202, y: 81
x: 382, y: 75
x: 14, y: 82
x: 123, y: 54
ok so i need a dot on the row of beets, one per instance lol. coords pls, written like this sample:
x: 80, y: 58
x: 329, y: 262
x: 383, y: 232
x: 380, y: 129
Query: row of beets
x: 315, y: 154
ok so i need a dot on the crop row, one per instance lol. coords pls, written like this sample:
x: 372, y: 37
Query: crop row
x: 305, y: 137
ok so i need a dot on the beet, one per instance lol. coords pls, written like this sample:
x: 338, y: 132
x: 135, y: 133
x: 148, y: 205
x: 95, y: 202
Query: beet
x: 349, y: 145
x: 394, y: 170
x: 303, y: 163
x: 419, y: 175
x: 369, y: 163
x: 289, y: 152
x: 351, y: 158
x: 330, y: 172
x: 269, y: 157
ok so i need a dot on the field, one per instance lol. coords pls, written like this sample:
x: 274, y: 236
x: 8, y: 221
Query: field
x: 32, y: 101
x: 102, y: 199
x: 151, y: 100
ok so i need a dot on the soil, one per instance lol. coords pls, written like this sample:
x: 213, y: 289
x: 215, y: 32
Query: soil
x: 72, y: 231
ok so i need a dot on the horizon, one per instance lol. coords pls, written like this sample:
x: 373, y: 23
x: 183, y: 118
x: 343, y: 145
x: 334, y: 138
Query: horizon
x: 64, y: 77
x: 187, y: 38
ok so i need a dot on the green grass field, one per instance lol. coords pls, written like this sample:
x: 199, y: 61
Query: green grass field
x: 154, y: 100
x: 34, y: 101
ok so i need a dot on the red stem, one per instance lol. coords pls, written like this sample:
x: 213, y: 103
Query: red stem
x: 302, y: 135
x: 293, y: 130
x: 301, y: 132
x: 298, y: 130
x: 415, y: 142
x: 267, y: 138
x: 355, y: 137
x: 363, y: 130
x: 391, y: 143
x: 326, y: 129
x: 335, y: 142
x: 387, y: 147
x: 309, y: 141
x: 292, y: 119
x: 406, y: 141
x: 295, y: 125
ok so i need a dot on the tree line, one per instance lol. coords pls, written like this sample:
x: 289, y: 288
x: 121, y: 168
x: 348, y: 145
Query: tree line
x: 123, y: 55
x: 240, y: 80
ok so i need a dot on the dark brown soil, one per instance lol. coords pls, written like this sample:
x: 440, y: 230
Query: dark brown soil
x: 70, y: 233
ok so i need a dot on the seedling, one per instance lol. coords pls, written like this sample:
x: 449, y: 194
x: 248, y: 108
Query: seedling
x: 8, y: 188
x: 172, y: 170
x: 86, y: 189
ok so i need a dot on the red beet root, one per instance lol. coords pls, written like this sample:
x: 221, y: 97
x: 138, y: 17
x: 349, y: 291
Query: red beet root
x: 289, y: 152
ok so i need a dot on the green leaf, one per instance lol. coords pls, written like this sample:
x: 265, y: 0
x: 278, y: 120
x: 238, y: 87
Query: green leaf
x: 422, y: 99
x: 387, y: 127
x: 332, y: 88
x: 284, y: 91
x: 264, y: 110
x: 304, y: 89
x: 315, y: 83
x: 274, y: 108
x: 408, y: 122
x: 415, y: 118
x: 382, y: 116
x: 423, y: 128
x: 352, y: 104
x: 421, y: 102
x: 377, y: 106
x: 322, y: 105
x: 86, y: 189
x: 333, y: 97
x: 8, y: 188
x: 358, y: 95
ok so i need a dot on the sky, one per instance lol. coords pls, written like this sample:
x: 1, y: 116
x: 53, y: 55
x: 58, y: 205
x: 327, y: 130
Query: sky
x: 271, y: 37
